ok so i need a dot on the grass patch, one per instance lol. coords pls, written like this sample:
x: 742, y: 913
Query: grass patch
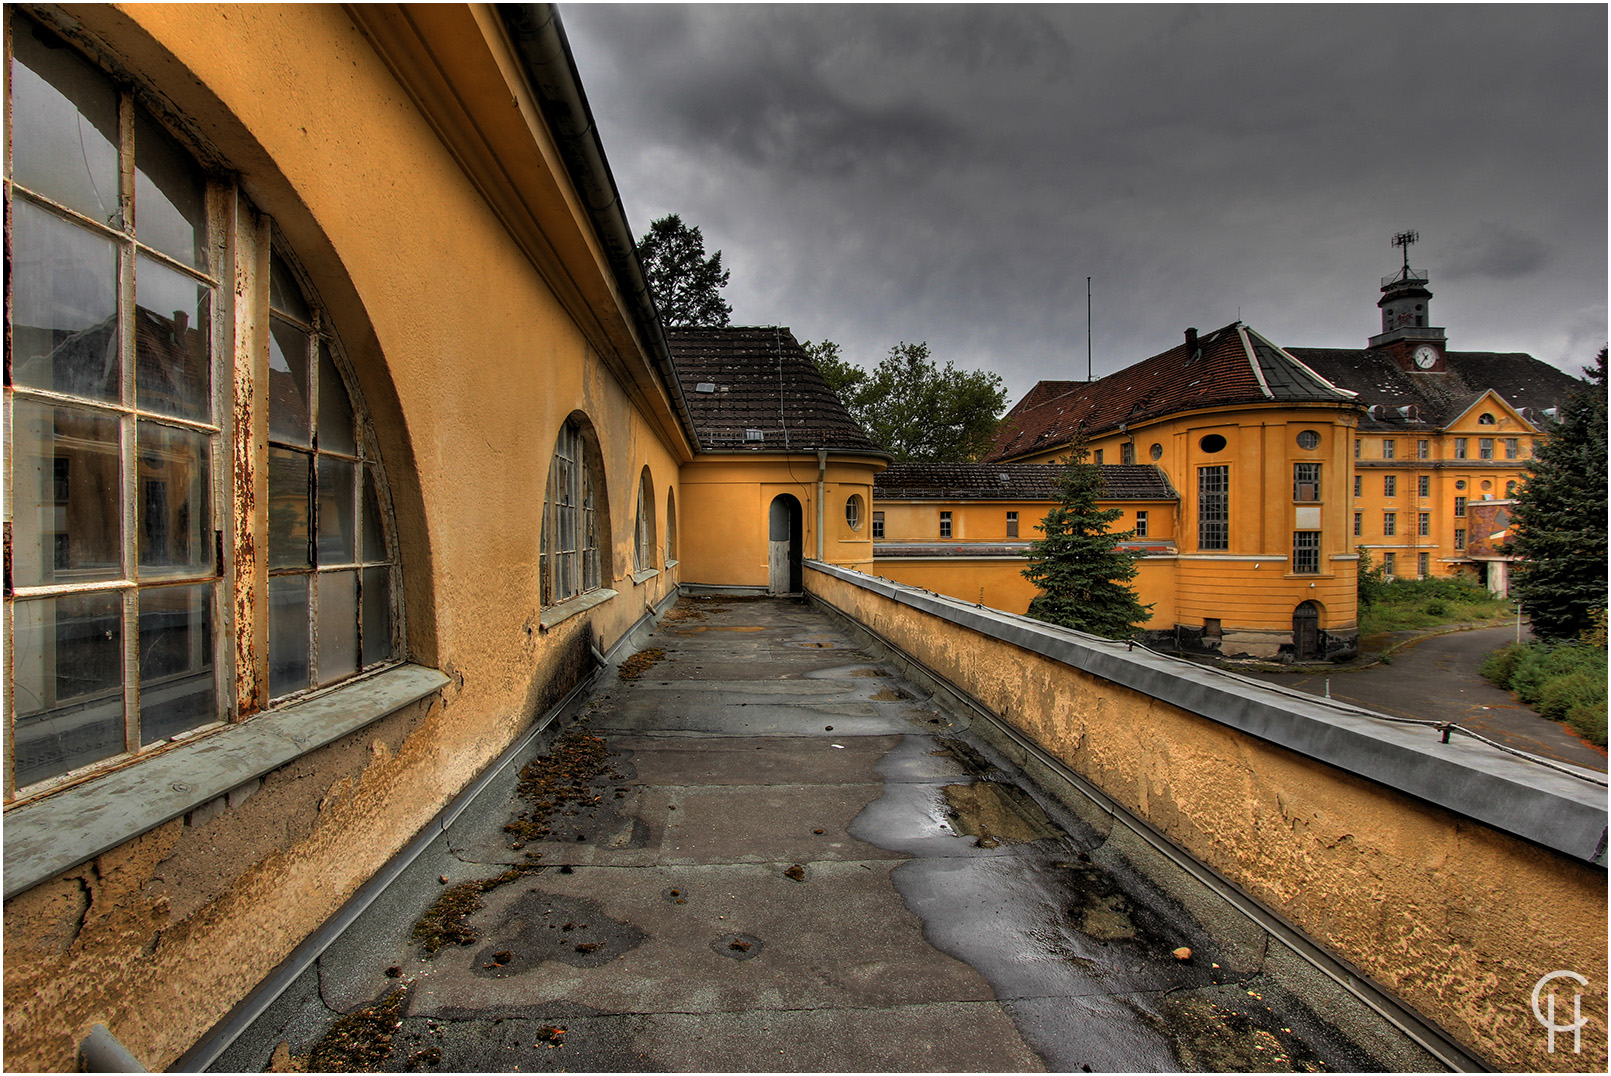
x: 361, y: 1041
x: 1412, y: 604
x: 1565, y: 682
x: 560, y: 780
x: 447, y: 920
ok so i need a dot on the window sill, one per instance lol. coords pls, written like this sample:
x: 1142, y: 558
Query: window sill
x: 556, y: 615
x: 670, y: 564
x: 640, y: 578
x: 54, y: 834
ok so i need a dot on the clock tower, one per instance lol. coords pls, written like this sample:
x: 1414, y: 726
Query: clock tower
x: 1407, y: 333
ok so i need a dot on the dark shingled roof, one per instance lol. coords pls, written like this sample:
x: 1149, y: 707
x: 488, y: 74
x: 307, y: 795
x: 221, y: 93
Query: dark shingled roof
x: 759, y: 378
x: 1228, y: 366
x: 1437, y: 399
x: 1012, y: 482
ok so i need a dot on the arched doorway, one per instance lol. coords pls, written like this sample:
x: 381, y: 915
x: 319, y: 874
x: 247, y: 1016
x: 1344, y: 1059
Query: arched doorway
x: 1306, y: 632
x: 783, y: 546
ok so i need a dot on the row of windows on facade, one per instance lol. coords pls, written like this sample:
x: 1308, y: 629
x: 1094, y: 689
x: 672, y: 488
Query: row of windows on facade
x: 1513, y: 448
x: 1140, y: 526
x: 1423, y: 488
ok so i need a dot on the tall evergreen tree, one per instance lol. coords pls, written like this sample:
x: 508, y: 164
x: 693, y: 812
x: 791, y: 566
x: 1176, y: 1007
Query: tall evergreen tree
x: 1082, y: 573
x: 1559, y: 526
x: 685, y: 283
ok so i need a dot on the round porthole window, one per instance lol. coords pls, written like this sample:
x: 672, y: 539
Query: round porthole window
x: 1460, y: 484
x: 853, y: 511
x: 1156, y: 451
x: 1212, y: 443
x: 1308, y: 440
x: 1487, y: 485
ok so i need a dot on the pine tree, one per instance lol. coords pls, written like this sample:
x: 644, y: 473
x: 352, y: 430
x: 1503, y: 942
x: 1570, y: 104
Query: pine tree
x: 686, y: 285
x: 1558, y: 528
x: 1082, y: 573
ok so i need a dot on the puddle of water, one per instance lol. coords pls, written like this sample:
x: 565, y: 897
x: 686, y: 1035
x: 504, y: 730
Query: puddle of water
x: 998, y: 814
x: 890, y: 694
x: 715, y: 627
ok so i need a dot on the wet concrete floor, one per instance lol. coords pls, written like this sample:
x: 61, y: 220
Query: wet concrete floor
x: 768, y: 853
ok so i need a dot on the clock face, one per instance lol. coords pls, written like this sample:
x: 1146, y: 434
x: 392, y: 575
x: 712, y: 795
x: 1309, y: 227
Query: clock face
x: 1426, y: 356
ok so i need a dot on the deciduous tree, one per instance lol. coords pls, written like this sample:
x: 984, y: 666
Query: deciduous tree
x: 1558, y: 528
x: 685, y: 283
x: 915, y: 409
x: 1083, y: 575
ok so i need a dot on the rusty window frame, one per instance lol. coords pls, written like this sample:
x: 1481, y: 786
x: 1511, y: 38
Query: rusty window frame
x: 1305, y: 552
x: 643, y: 524
x: 569, y: 552
x: 127, y: 411
x: 1306, y: 481
x: 1214, y: 507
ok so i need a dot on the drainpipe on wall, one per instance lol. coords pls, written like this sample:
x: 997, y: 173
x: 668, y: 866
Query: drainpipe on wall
x: 822, y: 472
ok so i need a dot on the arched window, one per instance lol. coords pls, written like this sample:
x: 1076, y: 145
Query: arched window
x: 671, y: 526
x: 329, y: 554
x: 643, y: 525
x: 572, y: 530
x: 124, y: 367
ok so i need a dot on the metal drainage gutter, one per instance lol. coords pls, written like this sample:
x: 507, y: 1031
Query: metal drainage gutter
x: 1423, y: 1033
x: 211, y: 1046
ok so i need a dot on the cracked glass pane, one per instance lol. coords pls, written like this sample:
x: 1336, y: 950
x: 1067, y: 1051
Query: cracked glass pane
x: 68, y: 661
x: 64, y: 125
x: 172, y: 323
x: 63, y: 306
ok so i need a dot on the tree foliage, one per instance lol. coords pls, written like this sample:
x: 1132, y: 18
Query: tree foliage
x: 1558, y: 528
x: 1083, y: 575
x: 685, y: 283
x: 917, y: 410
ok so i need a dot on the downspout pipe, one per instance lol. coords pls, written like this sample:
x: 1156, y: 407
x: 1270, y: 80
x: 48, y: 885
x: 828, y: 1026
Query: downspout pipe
x: 545, y: 56
x: 822, y: 473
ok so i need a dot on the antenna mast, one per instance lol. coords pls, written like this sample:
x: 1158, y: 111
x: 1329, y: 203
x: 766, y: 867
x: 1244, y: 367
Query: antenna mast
x: 1087, y: 329
x: 1404, y: 239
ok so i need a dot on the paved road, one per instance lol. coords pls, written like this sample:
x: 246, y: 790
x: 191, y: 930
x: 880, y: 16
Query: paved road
x: 1436, y: 678
x: 767, y: 853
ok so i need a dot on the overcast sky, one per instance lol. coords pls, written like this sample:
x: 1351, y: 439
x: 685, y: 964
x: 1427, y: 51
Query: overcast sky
x: 953, y: 174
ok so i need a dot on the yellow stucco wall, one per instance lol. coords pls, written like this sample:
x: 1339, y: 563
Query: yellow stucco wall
x: 471, y: 349
x: 1458, y: 919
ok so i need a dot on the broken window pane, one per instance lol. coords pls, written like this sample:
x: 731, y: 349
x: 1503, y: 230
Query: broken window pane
x: 68, y: 661
x: 288, y: 634
x: 66, y: 486
x: 335, y: 409
x: 288, y: 383
x: 336, y: 504
x: 175, y: 524
x: 377, y: 615
x: 170, y: 195
x: 63, y: 306
x: 289, y: 510
x: 64, y: 125
x: 172, y: 322
x: 177, y: 690
x: 338, y: 625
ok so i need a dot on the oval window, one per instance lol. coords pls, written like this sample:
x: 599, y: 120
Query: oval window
x: 1212, y: 443
x: 1487, y: 484
x: 1460, y: 484
x: 1309, y: 440
x: 853, y: 511
x: 1156, y: 451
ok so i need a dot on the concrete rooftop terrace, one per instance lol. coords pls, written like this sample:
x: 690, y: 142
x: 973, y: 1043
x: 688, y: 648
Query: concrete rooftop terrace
x: 767, y: 852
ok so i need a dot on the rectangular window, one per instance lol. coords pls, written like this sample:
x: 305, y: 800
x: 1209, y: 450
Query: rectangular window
x: 1141, y: 524
x: 1306, y: 481
x: 1459, y: 448
x: 1390, y: 485
x: 1214, y: 507
x: 1358, y: 441
x: 1423, y: 485
x: 1423, y: 449
x: 1306, y: 552
x: 1485, y: 448
x: 1423, y: 565
x: 1389, y: 524
x: 945, y: 524
x: 1460, y: 507
x: 1389, y: 565
x: 1359, y: 485
x: 1459, y: 538
x: 1012, y: 524
x: 1389, y: 448
x: 1127, y: 452
x: 1512, y: 448
x: 878, y: 524
x: 1423, y: 524
x: 1096, y: 457
x: 1359, y: 523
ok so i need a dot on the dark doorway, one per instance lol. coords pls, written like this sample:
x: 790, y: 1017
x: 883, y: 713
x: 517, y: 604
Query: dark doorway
x: 783, y: 546
x: 1306, y: 632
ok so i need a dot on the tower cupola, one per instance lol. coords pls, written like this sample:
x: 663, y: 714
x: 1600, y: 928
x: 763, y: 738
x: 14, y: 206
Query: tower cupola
x: 1406, y: 304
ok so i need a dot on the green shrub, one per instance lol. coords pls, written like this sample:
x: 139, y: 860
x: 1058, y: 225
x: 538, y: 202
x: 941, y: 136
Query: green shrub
x: 1499, y: 665
x: 1564, y: 682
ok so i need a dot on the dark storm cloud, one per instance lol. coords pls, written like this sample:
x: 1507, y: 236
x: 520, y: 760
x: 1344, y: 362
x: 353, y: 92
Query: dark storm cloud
x: 954, y: 173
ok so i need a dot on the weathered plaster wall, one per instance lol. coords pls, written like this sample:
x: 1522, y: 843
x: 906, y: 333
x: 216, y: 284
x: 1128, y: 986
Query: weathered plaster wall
x: 1457, y: 919
x: 470, y: 363
x: 1000, y: 584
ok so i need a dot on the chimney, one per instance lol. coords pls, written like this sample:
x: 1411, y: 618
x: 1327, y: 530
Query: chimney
x: 1191, y: 342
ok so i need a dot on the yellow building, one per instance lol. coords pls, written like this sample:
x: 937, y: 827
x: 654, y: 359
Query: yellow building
x: 1257, y: 445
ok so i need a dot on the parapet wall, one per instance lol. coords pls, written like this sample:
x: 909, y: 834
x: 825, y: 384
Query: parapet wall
x: 1454, y: 876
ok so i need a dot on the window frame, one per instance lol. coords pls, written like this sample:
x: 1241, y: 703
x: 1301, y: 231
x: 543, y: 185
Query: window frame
x: 1485, y: 448
x: 1460, y: 507
x: 1389, y: 485
x: 1423, y: 485
x: 945, y: 525
x: 1214, y: 507
x: 1142, y: 523
x: 1423, y: 449
x: 1389, y: 524
x: 878, y: 524
x: 1460, y: 448
x: 1012, y: 524
x: 1305, y: 552
x: 853, y: 511
x: 1306, y: 479
x: 1389, y: 448
x: 569, y: 557
x: 1423, y: 524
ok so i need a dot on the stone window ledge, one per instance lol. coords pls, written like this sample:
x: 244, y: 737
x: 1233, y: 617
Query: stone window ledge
x: 640, y: 578
x: 58, y: 832
x: 555, y: 615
